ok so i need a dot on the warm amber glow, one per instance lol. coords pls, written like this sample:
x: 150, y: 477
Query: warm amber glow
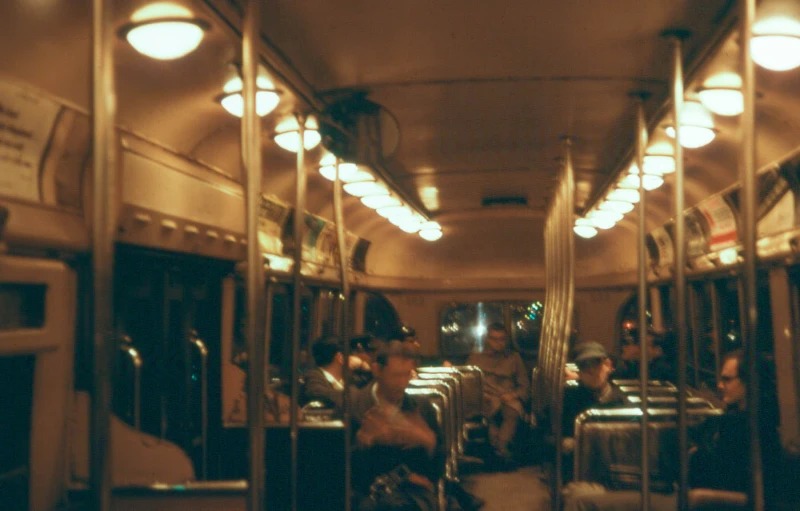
x: 697, y: 126
x: 164, y: 31
x: 380, y: 201
x: 348, y: 172
x: 776, y: 43
x: 365, y: 189
x: 287, y: 134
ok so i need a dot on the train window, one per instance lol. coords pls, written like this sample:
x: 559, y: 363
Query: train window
x: 729, y: 315
x: 380, y: 318
x: 463, y: 326
x: 327, y: 302
x: 22, y: 306
x: 526, y: 326
x: 704, y: 334
x: 16, y: 401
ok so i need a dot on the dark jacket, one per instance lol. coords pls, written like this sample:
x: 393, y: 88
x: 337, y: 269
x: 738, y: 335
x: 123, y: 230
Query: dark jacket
x: 317, y: 387
x: 368, y: 463
x: 579, y: 399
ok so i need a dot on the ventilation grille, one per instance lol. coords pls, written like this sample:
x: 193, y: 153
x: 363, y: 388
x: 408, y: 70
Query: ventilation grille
x: 489, y: 202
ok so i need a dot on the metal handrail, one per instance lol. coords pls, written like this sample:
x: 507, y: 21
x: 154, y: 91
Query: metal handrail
x: 126, y: 346
x: 251, y: 156
x: 450, y: 441
x: 202, y: 350
x: 450, y: 374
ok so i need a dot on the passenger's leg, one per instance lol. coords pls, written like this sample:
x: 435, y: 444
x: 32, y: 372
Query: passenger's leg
x: 508, y: 428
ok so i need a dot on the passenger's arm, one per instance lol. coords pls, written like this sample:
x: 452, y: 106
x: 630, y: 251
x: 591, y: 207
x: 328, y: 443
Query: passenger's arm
x: 521, y: 377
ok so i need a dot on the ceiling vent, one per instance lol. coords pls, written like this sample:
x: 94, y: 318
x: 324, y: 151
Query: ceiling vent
x: 488, y: 202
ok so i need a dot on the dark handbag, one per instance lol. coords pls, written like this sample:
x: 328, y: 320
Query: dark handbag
x: 393, y: 491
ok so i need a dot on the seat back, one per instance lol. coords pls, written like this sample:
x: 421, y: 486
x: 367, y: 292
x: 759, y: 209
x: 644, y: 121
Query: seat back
x: 608, y: 446
x: 453, y: 379
x: 669, y: 401
x: 472, y: 391
x: 438, y: 402
x: 443, y: 391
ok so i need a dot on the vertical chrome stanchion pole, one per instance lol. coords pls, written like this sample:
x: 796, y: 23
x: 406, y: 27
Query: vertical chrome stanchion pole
x: 344, y: 270
x: 641, y: 144
x: 749, y: 205
x: 680, y: 271
x: 297, y: 316
x: 103, y: 229
x: 251, y: 148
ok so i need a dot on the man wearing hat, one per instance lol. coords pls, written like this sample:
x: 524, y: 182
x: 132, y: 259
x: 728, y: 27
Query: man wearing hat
x: 594, y: 389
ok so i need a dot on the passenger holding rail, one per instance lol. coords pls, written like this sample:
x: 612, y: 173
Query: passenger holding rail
x: 397, y: 450
x: 505, y: 387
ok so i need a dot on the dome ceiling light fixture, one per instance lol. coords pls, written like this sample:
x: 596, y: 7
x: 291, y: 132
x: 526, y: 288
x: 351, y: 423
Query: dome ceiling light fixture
x: 612, y: 216
x: 348, y: 172
x: 624, y: 195
x: 775, y: 44
x: 631, y: 181
x: 366, y: 188
x: 616, y: 206
x: 430, y: 231
x: 584, y: 228
x: 697, y: 126
x: 164, y: 31
x: 380, y: 201
x: 722, y: 94
x: 287, y: 134
x: 267, y: 97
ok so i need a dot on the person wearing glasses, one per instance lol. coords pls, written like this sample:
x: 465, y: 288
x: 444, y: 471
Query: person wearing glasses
x: 719, y: 458
x: 505, y: 388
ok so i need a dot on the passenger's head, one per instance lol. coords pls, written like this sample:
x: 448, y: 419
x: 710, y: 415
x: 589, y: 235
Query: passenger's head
x: 733, y: 378
x: 327, y: 351
x: 363, y: 347
x: 496, y: 337
x: 394, y: 367
x: 409, y: 335
x: 594, y: 365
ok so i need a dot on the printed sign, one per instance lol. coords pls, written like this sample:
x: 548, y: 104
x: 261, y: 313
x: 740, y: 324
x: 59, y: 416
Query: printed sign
x: 272, y: 217
x: 721, y: 223
x: 26, y: 122
x: 664, y: 243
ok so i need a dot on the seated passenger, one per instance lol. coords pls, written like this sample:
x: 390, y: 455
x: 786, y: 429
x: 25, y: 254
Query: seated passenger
x: 325, y: 381
x: 660, y: 366
x: 363, y: 347
x: 593, y: 390
x: 395, y: 434
x: 721, y: 461
x: 505, y: 387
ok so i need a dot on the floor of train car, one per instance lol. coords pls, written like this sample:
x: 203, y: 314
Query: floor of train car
x: 520, y: 490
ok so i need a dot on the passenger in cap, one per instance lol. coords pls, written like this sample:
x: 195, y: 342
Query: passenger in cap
x: 594, y: 388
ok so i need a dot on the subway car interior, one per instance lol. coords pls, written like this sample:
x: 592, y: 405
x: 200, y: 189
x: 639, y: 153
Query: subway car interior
x: 198, y: 196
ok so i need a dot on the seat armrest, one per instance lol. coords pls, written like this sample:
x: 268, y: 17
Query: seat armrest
x: 706, y: 498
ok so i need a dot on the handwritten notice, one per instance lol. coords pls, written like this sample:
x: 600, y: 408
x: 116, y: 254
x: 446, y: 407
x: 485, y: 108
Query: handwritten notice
x: 26, y: 122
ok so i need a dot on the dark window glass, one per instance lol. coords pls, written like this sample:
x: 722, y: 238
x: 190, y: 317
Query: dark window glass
x: 526, y: 326
x: 22, y: 306
x: 16, y: 401
x: 380, y: 317
x: 463, y: 326
x: 703, y: 335
x: 730, y: 326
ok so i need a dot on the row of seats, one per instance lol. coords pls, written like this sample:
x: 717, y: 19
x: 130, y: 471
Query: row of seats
x: 456, y: 393
x: 608, y: 444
